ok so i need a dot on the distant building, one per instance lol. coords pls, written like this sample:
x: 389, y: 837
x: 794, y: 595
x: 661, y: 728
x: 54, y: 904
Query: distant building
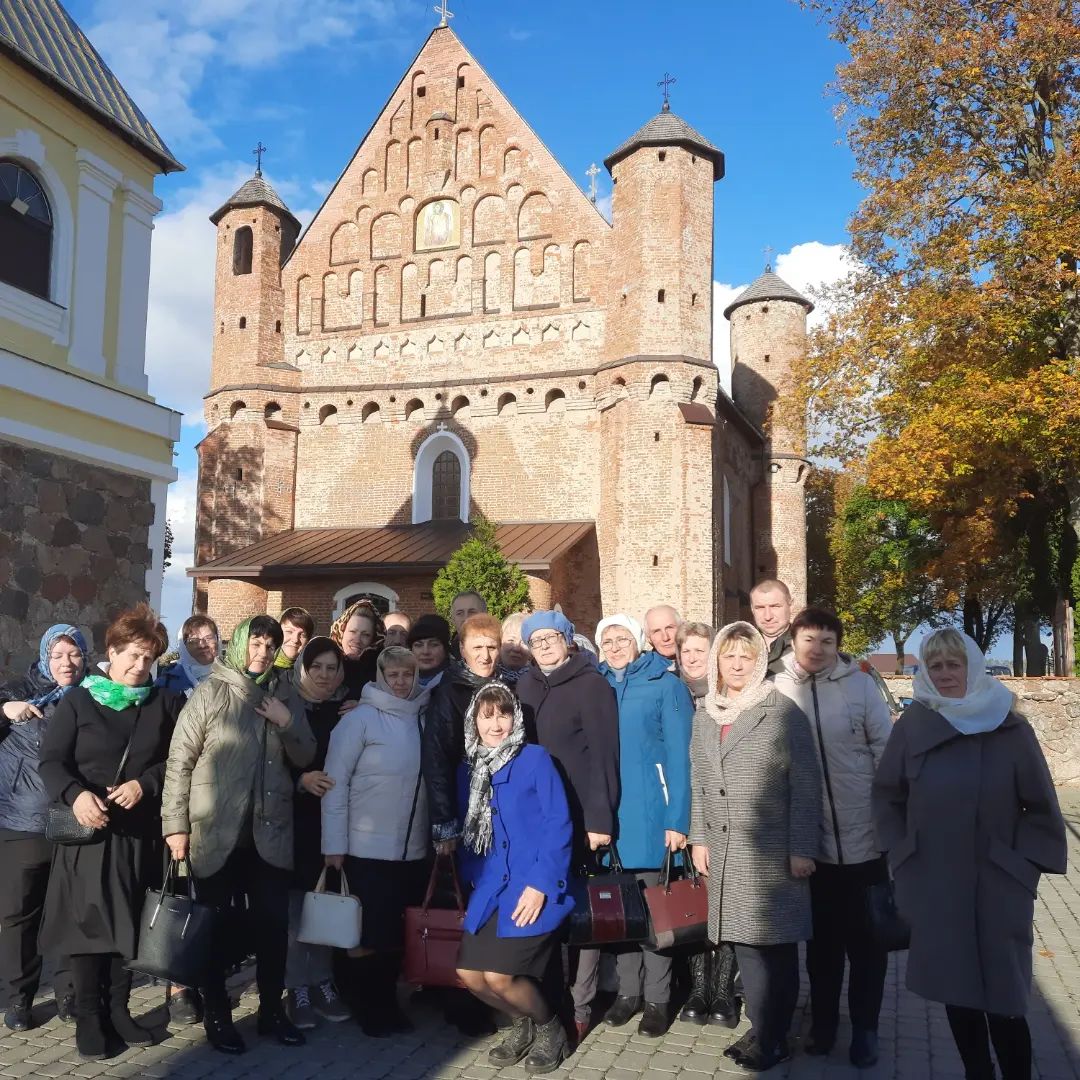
x: 459, y: 329
x: 885, y: 662
x: 85, y: 453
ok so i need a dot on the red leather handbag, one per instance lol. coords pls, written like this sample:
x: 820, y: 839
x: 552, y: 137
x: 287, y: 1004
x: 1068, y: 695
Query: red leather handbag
x: 433, y: 937
x: 678, y: 910
x: 608, y: 907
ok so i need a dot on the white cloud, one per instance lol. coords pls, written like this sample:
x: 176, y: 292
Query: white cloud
x: 805, y: 267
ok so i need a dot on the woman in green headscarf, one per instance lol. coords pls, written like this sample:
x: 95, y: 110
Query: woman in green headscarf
x: 228, y: 806
x: 103, y: 755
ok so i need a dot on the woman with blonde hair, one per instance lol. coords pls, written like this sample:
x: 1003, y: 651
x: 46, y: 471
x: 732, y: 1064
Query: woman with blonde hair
x: 359, y: 633
x: 754, y: 826
x: 965, y: 807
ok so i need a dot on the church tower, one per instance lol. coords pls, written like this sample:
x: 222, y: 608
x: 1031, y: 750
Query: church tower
x: 655, y: 527
x: 247, y: 460
x: 768, y: 339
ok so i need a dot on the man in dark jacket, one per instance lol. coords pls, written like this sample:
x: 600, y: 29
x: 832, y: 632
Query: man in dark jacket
x: 770, y: 601
x: 570, y: 710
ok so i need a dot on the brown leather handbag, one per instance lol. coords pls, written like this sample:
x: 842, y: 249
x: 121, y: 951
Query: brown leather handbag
x: 608, y: 907
x: 433, y: 936
x: 678, y: 910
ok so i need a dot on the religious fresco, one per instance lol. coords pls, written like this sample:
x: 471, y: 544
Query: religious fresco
x: 438, y: 225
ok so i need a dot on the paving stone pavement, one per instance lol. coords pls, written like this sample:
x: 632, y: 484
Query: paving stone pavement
x: 915, y: 1039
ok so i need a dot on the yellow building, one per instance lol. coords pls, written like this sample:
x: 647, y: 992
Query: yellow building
x: 85, y: 452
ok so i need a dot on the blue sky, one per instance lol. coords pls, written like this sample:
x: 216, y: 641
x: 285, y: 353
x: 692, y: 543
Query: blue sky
x: 308, y: 79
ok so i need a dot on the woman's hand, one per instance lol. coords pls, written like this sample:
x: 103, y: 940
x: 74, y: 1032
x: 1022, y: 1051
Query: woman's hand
x: 529, y: 906
x: 700, y: 854
x: 347, y: 706
x: 90, y: 811
x: 179, y: 845
x: 18, y: 712
x: 674, y: 841
x: 446, y: 847
x: 598, y: 840
x: 334, y: 862
x: 801, y: 866
x: 316, y: 783
x: 126, y: 795
x: 275, y: 712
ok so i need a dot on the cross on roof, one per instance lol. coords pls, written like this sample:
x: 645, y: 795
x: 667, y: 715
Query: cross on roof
x: 665, y: 84
x: 592, y: 172
x: 440, y: 426
x: 769, y: 252
x: 258, y: 152
x: 443, y: 12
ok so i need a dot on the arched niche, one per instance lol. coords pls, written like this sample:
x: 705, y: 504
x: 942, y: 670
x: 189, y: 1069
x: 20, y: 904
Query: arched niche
x: 423, y: 473
x: 347, y: 596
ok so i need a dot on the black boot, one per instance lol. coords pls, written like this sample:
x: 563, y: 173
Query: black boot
x: 622, y: 1011
x: 863, y: 1052
x: 549, y: 1049
x: 517, y: 1043
x: 273, y: 1021
x: 723, y: 1003
x: 123, y: 1023
x: 217, y: 1022
x: 90, y: 1039
x: 696, y: 1009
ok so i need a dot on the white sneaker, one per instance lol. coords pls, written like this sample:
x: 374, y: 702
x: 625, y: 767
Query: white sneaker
x: 328, y: 1003
x: 298, y: 1009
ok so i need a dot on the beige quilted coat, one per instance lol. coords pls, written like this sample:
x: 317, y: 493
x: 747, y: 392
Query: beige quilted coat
x: 226, y: 766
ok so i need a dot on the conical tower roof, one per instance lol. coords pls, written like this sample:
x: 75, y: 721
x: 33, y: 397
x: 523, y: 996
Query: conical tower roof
x: 769, y: 286
x: 667, y: 129
x: 253, y: 192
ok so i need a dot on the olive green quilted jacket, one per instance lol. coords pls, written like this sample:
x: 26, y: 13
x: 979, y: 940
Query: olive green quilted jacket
x: 228, y: 766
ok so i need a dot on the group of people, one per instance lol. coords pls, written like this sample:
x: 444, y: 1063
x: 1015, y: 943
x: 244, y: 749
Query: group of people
x: 521, y: 752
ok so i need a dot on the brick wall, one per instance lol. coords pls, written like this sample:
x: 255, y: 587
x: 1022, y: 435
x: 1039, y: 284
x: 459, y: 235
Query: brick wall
x: 73, y: 548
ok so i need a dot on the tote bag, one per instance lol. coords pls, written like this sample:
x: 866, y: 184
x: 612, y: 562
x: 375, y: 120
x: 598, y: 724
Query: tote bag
x: 333, y: 919
x: 678, y: 910
x: 433, y: 937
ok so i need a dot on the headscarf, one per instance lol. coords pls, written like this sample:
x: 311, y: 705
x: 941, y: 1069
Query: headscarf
x: 397, y: 654
x: 584, y: 645
x: 985, y: 704
x: 236, y: 654
x: 484, y: 763
x: 547, y: 620
x: 726, y: 710
x: 195, y: 671
x: 115, y: 695
x: 379, y: 696
x: 305, y: 685
x: 636, y: 632
x: 361, y: 607
x: 54, y: 691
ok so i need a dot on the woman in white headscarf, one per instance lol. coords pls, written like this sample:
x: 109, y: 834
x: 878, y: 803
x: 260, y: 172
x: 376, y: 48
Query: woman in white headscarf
x: 198, y: 646
x: 966, y: 809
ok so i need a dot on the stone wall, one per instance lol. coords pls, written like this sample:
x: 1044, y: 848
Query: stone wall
x: 1052, y: 706
x: 73, y: 548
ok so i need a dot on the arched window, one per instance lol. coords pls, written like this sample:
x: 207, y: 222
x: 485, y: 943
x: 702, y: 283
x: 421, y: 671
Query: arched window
x: 241, y: 252
x: 25, y: 231
x: 446, y: 487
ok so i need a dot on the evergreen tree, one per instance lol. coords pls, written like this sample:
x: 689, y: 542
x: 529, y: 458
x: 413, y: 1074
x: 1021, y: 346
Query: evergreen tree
x: 479, y: 566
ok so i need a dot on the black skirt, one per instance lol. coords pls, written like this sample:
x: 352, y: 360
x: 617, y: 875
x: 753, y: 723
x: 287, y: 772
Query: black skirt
x: 385, y: 889
x: 96, y: 893
x: 486, y: 951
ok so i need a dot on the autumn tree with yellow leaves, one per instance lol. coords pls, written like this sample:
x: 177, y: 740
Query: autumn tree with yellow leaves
x: 948, y: 364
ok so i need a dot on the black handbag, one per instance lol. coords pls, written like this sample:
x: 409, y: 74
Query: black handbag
x: 888, y: 927
x: 609, y: 906
x: 176, y: 934
x: 61, y: 824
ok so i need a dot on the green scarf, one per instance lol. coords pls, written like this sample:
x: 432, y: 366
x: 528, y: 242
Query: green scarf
x: 115, y: 695
x: 282, y: 661
x: 236, y: 655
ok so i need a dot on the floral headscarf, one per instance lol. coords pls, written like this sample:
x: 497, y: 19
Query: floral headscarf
x: 361, y: 607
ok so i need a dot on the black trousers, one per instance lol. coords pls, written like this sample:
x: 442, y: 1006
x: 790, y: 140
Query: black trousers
x: 974, y: 1031
x: 842, y: 930
x: 23, y: 881
x: 266, y: 889
x: 770, y: 976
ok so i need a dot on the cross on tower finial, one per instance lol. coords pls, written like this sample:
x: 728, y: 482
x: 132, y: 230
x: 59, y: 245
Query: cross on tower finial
x: 769, y: 252
x: 592, y: 172
x: 665, y: 85
x: 258, y: 152
x: 443, y: 12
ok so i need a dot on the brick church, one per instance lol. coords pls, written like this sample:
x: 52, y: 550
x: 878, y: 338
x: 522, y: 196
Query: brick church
x: 460, y: 330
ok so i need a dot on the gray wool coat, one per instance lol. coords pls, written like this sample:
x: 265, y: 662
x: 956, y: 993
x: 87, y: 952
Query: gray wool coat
x: 756, y: 801
x: 969, y: 822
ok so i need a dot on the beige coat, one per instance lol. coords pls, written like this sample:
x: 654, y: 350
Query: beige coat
x: 228, y: 766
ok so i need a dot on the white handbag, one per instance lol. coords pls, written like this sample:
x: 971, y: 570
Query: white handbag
x: 332, y: 919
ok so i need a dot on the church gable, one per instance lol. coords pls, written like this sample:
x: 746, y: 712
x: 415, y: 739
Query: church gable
x: 451, y: 212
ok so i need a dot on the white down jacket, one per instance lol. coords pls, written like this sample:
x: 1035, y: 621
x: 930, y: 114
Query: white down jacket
x: 377, y: 808
x: 850, y: 720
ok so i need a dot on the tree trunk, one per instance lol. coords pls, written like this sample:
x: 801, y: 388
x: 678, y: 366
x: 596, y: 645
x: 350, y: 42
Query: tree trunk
x: 1018, y: 641
x: 973, y: 619
x: 899, y: 644
x: 1034, y: 649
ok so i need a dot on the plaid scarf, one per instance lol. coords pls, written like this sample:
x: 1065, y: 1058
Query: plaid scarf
x: 484, y: 763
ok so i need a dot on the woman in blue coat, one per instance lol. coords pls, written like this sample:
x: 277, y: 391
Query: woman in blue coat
x: 517, y: 839
x: 655, y: 721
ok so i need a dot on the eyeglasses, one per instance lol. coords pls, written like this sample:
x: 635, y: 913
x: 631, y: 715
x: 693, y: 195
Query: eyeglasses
x: 207, y: 641
x: 616, y: 643
x: 542, y: 641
